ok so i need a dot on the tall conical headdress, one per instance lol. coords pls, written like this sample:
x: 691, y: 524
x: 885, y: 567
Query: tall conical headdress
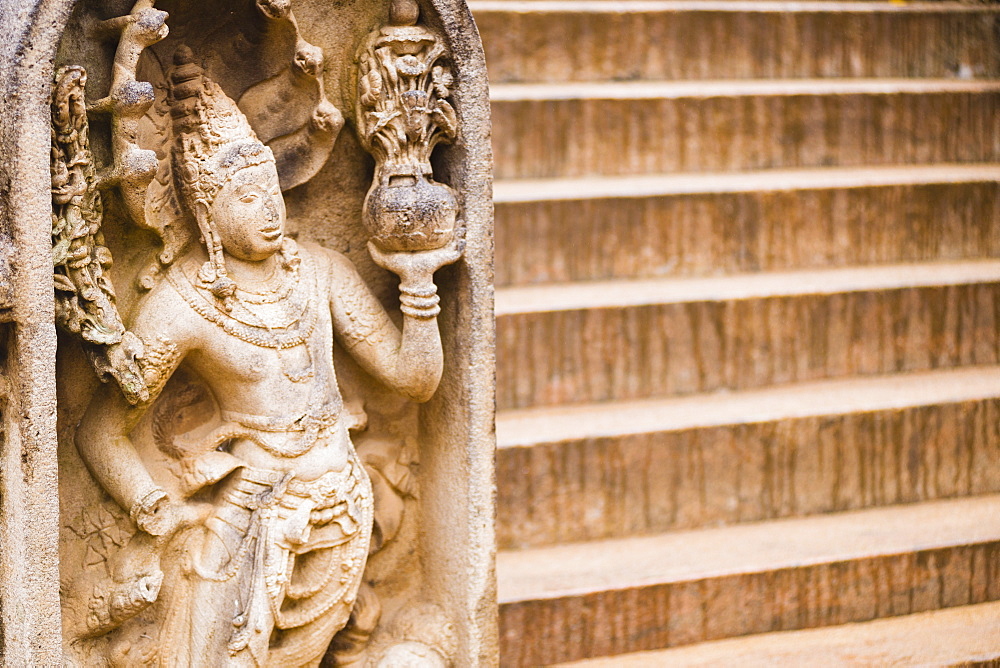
x: 212, y: 141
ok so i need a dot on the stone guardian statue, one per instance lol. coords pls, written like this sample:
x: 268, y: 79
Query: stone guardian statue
x: 253, y: 537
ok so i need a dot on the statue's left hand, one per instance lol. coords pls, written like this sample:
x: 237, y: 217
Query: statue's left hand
x: 163, y: 518
x: 417, y: 266
x: 155, y: 514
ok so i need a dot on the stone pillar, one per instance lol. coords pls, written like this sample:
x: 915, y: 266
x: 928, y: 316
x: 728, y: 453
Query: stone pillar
x: 29, y: 521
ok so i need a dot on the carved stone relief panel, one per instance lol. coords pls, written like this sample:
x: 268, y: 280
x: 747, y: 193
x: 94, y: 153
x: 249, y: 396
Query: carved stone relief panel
x: 271, y: 257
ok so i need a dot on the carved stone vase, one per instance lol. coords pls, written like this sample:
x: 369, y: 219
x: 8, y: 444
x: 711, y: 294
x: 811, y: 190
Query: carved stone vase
x: 407, y: 212
x: 403, y: 113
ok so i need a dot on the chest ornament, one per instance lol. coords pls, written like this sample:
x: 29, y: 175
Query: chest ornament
x: 280, y: 319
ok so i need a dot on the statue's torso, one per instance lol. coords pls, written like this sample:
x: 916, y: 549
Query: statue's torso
x: 276, y: 382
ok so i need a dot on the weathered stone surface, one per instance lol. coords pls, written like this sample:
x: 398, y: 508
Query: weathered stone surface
x: 29, y: 525
x: 612, y: 597
x: 709, y: 224
x: 582, y: 40
x: 594, y: 342
x: 749, y: 456
x: 565, y: 130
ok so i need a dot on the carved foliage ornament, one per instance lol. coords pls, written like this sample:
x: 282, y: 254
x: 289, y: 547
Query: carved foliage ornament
x: 403, y: 114
x: 85, y: 298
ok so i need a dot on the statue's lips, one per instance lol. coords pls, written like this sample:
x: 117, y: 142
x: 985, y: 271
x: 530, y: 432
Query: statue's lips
x: 271, y: 233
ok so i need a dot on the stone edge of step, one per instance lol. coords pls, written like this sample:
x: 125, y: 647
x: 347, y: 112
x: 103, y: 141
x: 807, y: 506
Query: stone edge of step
x: 629, y: 293
x: 946, y: 637
x: 522, y: 191
x: 532, y: 427
x: 579, y: 569
x: 727, y: 6
x: 657, y: 90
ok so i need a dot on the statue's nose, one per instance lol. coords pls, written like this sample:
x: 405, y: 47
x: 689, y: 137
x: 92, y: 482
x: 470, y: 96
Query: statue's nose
x: 271, y: 209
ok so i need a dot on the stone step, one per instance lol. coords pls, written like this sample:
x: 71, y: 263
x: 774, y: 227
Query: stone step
x: 613, y: 597
x: 580, y: 129
x: 561, y: 230
x: 622, y: 469
x: 618, y: 340
x: 965, y: 636
x: 606, y: 40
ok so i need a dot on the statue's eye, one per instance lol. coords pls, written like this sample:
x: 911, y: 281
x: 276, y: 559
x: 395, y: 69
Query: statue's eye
x: 249, y: 198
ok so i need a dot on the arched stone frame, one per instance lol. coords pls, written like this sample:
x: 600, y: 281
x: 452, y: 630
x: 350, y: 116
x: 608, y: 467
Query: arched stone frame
x: 458, y: 494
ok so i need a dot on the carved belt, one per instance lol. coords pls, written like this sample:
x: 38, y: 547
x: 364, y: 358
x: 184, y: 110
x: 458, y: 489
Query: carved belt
x: 298, y: 504
x: 326, y: 417
x: 309, y: 428
x: 260, y: 488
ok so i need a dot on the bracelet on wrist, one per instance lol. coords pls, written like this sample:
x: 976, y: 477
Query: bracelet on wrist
x: 420, y: 302
x: 142, y: 508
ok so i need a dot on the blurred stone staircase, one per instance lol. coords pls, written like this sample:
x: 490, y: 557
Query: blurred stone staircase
x: 748, y: 329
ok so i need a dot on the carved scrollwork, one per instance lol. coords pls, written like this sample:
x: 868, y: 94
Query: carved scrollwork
x: 85, y: 298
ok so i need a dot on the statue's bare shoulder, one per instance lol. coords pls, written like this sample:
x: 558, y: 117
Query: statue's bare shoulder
x: 340, y: 270
x: 163, y: 313
x: 358, y: 316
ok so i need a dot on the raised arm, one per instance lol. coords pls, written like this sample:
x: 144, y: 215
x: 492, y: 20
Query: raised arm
x: 410, y: 362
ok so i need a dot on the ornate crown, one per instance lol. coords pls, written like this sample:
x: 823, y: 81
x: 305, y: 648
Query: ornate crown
x: 212, y: 136
x: 212, y: 141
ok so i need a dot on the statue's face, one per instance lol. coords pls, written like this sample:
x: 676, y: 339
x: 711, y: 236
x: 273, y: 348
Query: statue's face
x: 249, y: 213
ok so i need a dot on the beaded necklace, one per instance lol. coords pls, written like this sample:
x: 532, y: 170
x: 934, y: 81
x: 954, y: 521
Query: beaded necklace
x: 298, y: 298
